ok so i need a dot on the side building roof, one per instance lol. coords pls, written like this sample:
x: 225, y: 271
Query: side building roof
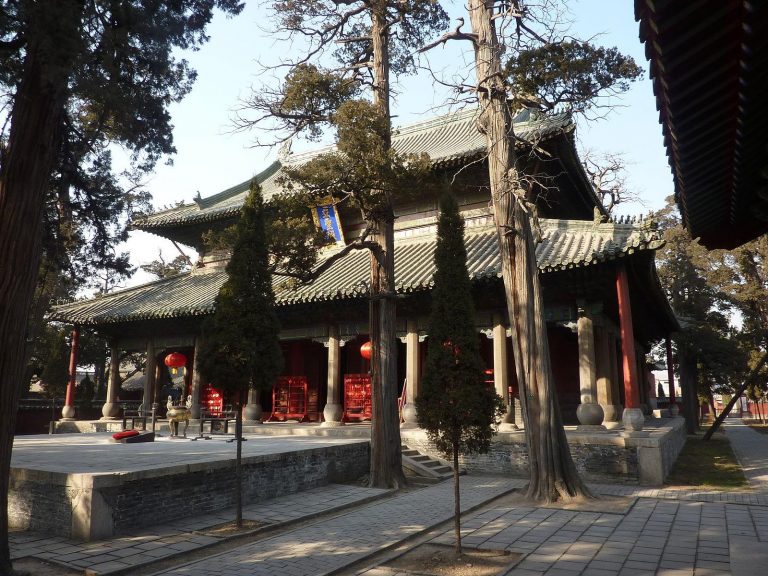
x: 565, y: 244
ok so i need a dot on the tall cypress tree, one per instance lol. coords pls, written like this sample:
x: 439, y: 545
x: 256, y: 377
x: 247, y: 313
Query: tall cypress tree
x: 240, y: 345
x: 456, y: 408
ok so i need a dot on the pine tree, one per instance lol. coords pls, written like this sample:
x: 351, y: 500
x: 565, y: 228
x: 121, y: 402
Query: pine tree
x: 76, y: 74
x: 240, y: 347
x: 55, y: 373
x: 456, y: 408
x: 367, y: 40
x: 524, y: 59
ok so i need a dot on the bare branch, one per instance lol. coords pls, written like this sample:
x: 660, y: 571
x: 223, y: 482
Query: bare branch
x: 457, y: 34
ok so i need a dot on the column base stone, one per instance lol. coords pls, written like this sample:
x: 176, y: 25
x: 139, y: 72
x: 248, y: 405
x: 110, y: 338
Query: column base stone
x: 332, y: 416
x: 410, y: 416
x: 589, y: 414
x: 633, y: 420
x: 591, y: 428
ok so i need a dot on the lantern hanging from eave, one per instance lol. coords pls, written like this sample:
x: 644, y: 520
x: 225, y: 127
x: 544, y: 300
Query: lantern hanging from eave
x: 366, y: 350
x: 175, y: 360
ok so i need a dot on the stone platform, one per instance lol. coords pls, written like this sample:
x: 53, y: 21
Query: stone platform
x: 85, y: 487
x: 605, y: 456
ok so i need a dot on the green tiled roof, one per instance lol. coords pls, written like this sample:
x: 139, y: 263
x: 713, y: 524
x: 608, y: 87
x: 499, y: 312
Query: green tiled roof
x: 447, y: 140
x: 565, y: 244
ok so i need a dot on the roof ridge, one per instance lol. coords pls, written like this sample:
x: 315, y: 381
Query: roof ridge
x: 239, y: 188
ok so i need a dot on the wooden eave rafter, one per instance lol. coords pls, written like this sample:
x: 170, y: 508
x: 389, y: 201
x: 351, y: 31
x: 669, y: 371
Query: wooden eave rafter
x: 708, y: 60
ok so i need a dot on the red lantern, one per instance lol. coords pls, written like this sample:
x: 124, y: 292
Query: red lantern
x: 366, y: 350
x: 175, y: 360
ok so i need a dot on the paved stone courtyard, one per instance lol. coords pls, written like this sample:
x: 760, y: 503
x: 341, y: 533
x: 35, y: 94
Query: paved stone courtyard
x: 352, y: 530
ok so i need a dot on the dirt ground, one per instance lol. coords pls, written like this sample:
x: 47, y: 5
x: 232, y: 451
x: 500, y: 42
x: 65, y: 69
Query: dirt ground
x: 440, y: 560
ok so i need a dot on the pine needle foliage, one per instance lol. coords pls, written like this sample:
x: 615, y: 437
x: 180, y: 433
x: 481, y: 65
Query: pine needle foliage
x: 240, y: 346
x: 454, y: 406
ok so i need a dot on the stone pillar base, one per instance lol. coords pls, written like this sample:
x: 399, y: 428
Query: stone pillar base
x: 589, y: 414
x: 674, y: 410
x: 591, y: 428
x: 633, y: 420
x: 332, y: 414
x: 253, y: 412
x: 409, y: 416
x: 611, y: 413
x: 110, y: 411
x: 68, y: 413
x: 331, y: 424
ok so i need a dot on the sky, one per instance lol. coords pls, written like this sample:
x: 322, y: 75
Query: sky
x: 211, y: 157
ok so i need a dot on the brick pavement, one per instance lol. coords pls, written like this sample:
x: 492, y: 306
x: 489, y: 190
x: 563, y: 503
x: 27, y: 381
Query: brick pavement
x: 172, y: 539
x: 330, y: 545
x: 653, y: 537
x: 659, y: 531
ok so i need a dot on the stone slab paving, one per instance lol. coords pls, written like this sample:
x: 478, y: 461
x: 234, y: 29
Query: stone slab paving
x: 96, y: 454
x: 664, y: 532
x: 172, y: 539
x: 691, y: 536
x: 751, y: 450
x: 331, y: 544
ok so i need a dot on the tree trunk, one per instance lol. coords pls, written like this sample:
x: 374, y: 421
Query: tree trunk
x: 25, y: 169
x: 688, y: 382
x: 749, y: 379
x: 456, y: 498
x: 386, y: 461
x: 552, y: 472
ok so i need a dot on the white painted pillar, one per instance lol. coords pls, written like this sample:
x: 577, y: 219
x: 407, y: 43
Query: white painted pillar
x: 501, y: 371
x: 197, y: 380
x: 410, y: 415
x: 111, y: 409
x: 149, y: 378
x: 333, y: 412
x: 589, y: 412
x: 253, y: 412
x: 606, y: 370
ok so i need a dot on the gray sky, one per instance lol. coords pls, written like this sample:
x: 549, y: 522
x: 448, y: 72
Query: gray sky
x: 211, y: 158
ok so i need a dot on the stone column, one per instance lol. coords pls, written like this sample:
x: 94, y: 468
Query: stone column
x: 111, y: 409
x: 253, y: 413
x: 149, y: 378
x: 605, y: 360
x: 197, y: 381
x: 333, y: 412
x: 501, y: 372
x: 589, y: 412
x: 412, y: 360
x: 68, y: 411
x: 633, y: 416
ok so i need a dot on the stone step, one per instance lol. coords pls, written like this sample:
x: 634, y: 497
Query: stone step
x: 421, y: 465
